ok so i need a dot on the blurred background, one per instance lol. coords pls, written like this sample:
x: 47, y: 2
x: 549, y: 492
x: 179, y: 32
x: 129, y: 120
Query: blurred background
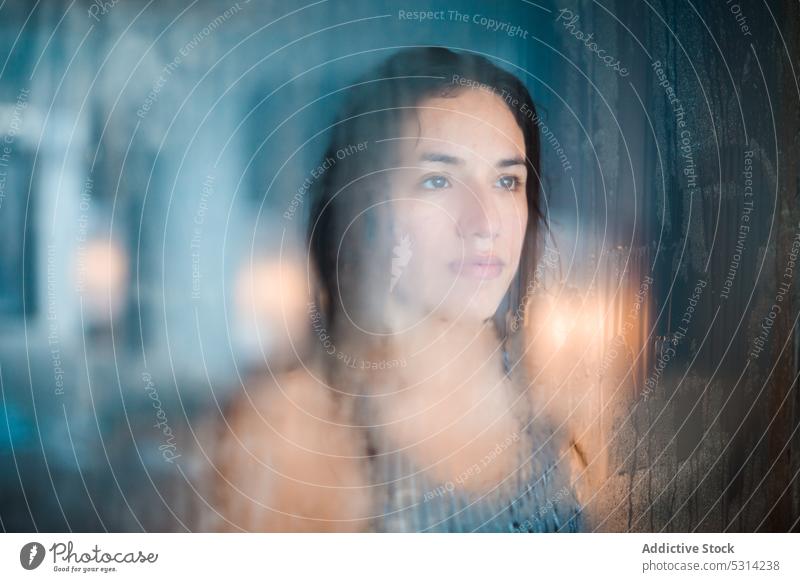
x: 152, y: 162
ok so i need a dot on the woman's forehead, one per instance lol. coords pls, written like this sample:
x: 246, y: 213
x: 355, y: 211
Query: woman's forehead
x: 474, y: 122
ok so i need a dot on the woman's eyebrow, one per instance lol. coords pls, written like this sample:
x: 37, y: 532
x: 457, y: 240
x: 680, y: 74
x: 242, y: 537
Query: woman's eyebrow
x: 456, y: 161
x: 510, y: 162
x: 442, y: 158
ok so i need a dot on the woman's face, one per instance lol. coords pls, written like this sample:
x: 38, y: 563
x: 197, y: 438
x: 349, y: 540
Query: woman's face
x: 460, y: 208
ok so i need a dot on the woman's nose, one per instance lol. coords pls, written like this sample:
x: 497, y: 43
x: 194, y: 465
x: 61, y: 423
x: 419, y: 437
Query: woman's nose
x: 478, y: 218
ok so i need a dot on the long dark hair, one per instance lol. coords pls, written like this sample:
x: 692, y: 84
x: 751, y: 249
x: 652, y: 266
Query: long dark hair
x: 342, y: 238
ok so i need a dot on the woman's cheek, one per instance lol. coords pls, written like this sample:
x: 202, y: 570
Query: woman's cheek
x: 421, y: 244
x: 516, y: 223
x: 515, y: 241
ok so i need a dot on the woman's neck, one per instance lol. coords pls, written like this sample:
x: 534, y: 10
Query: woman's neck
x: 447, y: 335
x: 435, y: 354
x: 450, y: 406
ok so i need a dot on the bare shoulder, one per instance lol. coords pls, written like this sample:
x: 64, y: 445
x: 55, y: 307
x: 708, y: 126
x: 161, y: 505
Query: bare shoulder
x: 290, y: 459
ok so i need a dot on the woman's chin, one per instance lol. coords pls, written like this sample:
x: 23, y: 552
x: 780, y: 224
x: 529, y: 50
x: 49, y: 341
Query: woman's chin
x: 472, y: 308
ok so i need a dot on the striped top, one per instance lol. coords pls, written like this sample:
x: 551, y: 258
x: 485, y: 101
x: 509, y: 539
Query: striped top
x: 535, y: 497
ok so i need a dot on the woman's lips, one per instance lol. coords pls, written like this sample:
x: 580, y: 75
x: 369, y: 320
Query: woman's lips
x: 489, y: 267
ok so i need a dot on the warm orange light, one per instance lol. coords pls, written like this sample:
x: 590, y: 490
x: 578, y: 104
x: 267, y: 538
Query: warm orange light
x: 102, y: 276
x: 270, y: 300
x: 562, y: 317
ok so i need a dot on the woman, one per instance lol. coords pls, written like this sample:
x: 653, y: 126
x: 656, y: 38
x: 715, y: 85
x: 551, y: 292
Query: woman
x: 415, y: 413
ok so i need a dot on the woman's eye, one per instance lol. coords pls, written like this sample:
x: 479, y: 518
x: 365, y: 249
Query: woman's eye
x: 509, y: 182
x: 436, y: 183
